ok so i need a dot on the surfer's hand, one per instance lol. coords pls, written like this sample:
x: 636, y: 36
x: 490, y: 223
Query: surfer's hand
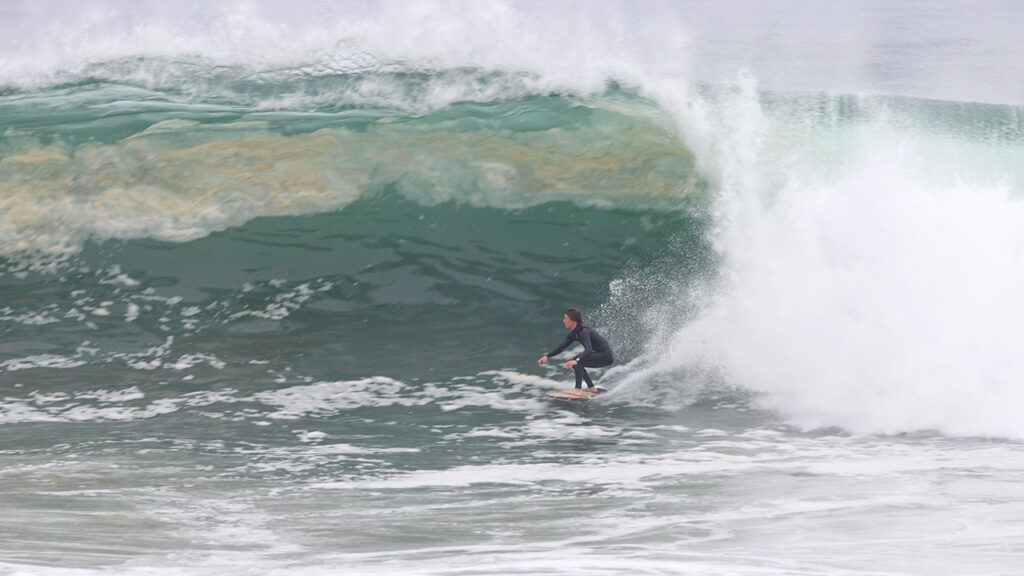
x: 542, y: 360
x: 570, y: 363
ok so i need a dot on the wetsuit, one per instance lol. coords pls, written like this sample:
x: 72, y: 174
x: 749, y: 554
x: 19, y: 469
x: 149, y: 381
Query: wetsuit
x: 596, y: 353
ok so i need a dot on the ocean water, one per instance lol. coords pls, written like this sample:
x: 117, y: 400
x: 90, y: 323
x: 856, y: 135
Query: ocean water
x: 274, y: 280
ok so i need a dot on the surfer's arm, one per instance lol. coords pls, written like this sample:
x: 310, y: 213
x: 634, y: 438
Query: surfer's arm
x: 562, y: 346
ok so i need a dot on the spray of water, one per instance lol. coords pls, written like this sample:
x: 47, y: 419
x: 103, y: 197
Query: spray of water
x: 871, y: 270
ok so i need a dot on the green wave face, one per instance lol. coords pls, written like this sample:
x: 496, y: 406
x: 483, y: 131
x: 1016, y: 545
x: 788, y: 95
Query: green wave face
x: 235, y: 223
x: 118, y: 162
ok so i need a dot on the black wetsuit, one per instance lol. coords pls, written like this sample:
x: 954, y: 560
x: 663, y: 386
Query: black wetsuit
x: 596, y: 353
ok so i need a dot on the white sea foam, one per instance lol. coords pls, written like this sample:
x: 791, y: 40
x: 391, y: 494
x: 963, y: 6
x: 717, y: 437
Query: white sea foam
x: 40, y: 361
x: 321, y: 398
x: 880, y: 294
x: 104, y: 405
x: 298, y: 401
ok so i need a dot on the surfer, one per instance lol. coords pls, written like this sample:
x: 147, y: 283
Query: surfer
x: 597, y: 353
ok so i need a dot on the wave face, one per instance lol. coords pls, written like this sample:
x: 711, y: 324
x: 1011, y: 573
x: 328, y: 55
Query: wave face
x: 850, y: 260
x: 116, y: 162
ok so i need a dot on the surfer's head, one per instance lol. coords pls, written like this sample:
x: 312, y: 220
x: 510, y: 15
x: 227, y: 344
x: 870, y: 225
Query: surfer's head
x: 572, y: 318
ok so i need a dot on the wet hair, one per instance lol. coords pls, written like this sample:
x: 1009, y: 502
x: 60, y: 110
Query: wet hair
x: 574, y: 315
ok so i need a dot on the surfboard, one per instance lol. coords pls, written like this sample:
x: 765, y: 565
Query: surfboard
x: 575, y: 395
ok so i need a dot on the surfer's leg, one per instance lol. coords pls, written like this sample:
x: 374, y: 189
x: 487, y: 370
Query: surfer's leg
x: 599, y: 360
x: 596, y: 361
x: 580, y: 373
x: 586, y: 377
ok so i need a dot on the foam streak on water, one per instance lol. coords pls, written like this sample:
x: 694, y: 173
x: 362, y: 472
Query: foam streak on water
x: 551, y: 490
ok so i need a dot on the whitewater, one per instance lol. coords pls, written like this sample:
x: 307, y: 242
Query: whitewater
x: 275, y: 279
